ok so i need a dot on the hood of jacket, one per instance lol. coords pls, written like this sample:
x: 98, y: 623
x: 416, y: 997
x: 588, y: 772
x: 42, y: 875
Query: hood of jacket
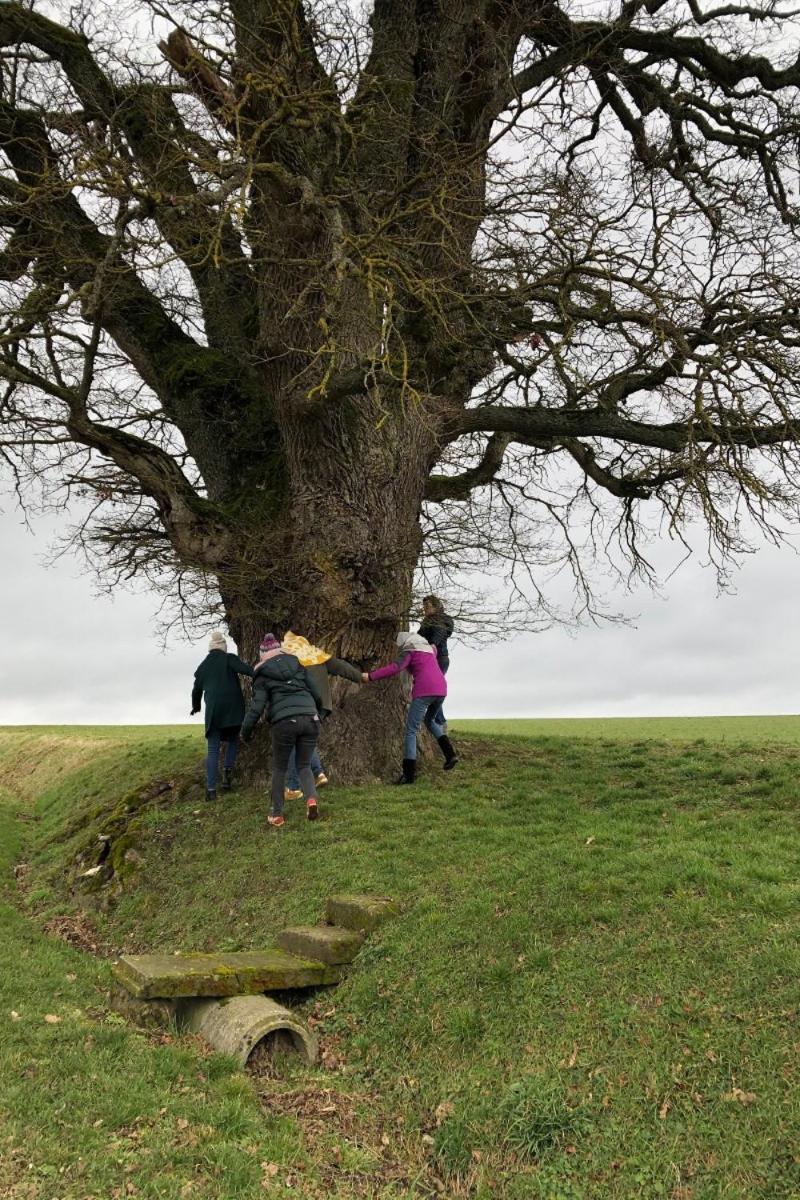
x: 282, y: 668
x: 413, y: 641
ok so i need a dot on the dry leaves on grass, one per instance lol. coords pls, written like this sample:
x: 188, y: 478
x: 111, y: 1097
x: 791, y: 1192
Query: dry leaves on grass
x: 573, y: 1058
x: 737, y: 1096
x: 76, y: 931
x: 443, y: 1111
x: 323, y: 1113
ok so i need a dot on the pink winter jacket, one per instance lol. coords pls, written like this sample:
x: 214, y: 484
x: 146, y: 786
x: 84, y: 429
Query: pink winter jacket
x: 422, y: 665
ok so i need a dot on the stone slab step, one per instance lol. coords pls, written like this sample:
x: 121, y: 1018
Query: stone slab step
x: 363, y: 913
x: 328, y: 943
x: 167, y: 976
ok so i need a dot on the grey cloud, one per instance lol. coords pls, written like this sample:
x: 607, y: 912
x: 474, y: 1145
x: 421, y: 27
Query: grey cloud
x: 72, y: 657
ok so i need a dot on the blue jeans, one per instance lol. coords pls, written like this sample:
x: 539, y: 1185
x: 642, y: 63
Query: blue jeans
x: 424, y: 708
x: 215, y: 739
x: 438, y: 716
x: 292, y: 777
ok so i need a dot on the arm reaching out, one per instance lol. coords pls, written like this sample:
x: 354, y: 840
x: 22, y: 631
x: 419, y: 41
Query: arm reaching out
x: 338, y: 666
x: 241, y: 668
x: 197, y: 696
x: 390, y: 669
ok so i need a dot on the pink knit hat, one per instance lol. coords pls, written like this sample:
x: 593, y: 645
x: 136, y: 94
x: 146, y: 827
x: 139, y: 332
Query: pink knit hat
x: 269, y: 642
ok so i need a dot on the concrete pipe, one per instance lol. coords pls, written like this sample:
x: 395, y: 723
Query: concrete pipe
x: 235, y: 1025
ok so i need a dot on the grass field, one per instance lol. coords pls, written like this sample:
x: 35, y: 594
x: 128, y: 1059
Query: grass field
x: 757, y: 730
x: 591, y: 991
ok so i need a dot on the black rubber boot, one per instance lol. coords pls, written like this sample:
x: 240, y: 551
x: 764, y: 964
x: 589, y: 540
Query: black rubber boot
x: 211, y: 793
x: 450, y: 756
x: 227, y: 779
x: 409, y: 772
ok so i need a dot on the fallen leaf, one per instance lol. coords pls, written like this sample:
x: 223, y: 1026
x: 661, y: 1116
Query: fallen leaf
x: 183, y: 1123
x: 589, y: 841
x: 270, y: 1168
x: 444, y: 1110
x: 662, y: 1112
x: 14, y: 1015
x: 51, y: 1019
x: 739, y: 1097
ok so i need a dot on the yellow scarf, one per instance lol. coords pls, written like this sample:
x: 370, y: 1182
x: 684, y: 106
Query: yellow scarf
x: 301, y: 648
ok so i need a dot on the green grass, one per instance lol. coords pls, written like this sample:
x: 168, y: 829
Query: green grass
x: 591, y: 990
x: 756, y: 730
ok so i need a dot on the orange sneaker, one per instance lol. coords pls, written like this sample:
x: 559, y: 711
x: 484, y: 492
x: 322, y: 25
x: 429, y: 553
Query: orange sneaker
x: 311, y: 808
x: 276, y: 822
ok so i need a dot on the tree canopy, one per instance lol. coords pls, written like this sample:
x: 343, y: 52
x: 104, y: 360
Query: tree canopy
x: 261, y: 255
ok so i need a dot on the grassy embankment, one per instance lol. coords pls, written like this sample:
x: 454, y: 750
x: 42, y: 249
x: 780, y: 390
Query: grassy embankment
x: 591, y: 991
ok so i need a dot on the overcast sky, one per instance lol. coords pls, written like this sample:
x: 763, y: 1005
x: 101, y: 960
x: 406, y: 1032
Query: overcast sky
x: 70, y: 656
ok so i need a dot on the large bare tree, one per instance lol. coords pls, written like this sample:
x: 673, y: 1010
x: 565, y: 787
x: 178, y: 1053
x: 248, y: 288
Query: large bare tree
x: 299, y: 292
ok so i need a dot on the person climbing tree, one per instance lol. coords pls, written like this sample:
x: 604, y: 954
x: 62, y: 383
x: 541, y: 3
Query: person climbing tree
x: 436, y: 628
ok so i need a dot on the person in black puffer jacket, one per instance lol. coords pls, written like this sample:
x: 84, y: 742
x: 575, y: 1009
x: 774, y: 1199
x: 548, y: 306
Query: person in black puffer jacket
x: 293, y: 704
x: 436, y: 628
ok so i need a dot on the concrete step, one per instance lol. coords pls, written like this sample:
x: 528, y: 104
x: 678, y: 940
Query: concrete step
x: 363, y: 913
x: 167, y: 976
x: 328, y: 943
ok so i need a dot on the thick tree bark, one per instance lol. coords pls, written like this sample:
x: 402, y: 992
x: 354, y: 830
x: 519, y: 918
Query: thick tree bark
x: 337, y: 563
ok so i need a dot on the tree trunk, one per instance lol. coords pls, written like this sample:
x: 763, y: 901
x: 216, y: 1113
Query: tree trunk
x: 338, y: 565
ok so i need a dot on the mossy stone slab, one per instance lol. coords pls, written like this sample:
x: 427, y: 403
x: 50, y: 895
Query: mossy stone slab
x: 166, y: 976
x: 148, y: 1014
x: 329, y: 943
x: 363, y: 913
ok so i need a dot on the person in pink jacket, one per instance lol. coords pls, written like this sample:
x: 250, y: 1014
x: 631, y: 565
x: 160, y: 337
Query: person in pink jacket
x: 418, y: 657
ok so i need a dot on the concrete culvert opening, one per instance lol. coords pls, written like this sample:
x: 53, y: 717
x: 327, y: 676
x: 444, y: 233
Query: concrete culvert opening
x: 255, y: 1030
x: 269, y: 1056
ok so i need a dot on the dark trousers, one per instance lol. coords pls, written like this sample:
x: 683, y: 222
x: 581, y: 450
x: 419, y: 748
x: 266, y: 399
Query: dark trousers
x: 299, y: 734
x: 215, y: 738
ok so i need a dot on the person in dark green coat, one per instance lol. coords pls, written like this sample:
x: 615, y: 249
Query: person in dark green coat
x: 217, y: 679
